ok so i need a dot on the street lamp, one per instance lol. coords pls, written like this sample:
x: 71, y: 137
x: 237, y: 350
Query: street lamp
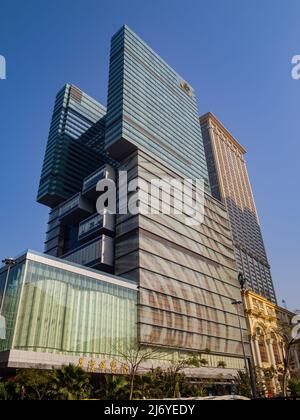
x: 238, y: 304
x: 242, y: 280
x: 9, y: 262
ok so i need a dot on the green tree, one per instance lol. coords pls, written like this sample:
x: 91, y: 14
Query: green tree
x: 174, y: 378
x: 177, y: 381
x: 197, y: 361
x: 294, y: 387
x: 170, y: 383
x: 243, y: 386
x: 150, y: 385
x: 114, y: 388
x: 222, y: 364
x: 70, y: 383
x: 190, y: 390
x: 284, y: 331
x: 12, y: 389
x: 135, y: 355
x: 4, y: 395
x: 33, y: 383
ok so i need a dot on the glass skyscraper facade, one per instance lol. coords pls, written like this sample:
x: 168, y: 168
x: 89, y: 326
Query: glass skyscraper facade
x: 151, y: 107
x: 75, y: 145
x: 75, y: 160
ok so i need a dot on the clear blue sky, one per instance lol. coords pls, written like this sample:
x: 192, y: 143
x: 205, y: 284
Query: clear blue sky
x: 236, y: 53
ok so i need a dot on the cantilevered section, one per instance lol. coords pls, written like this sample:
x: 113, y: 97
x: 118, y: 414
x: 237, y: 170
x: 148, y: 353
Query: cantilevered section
x: 75, y: 145
x: 77, y: 232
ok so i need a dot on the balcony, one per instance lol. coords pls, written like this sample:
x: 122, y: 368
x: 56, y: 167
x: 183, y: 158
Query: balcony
x: 98, y: 254
x: 95, y: 225
x: 90, y: 182
x: 75, y: 209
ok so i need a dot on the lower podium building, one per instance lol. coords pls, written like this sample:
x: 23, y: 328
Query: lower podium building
x: 55, y: 313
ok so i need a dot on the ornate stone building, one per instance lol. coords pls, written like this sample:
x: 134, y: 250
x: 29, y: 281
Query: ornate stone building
x: 266, y: 342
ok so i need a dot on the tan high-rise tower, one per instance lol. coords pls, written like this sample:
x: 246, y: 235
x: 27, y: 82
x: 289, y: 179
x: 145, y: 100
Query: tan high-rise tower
x: 230, y: 184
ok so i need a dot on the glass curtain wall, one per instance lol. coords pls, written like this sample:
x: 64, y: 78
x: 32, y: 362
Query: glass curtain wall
x: 67, y: 313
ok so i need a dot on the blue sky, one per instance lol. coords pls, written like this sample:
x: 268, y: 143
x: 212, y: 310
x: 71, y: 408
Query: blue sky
x: 236, y: 53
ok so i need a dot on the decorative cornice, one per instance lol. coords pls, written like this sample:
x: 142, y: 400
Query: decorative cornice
x: 210, y: 117
x: 252, y: 295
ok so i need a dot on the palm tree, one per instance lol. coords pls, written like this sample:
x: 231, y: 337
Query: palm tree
x: 294, y: 387
x: 3, y: 392
x: 135, y: 355
x: 222, y: 364
x: 114, y: 388
x: 33, y: 384
x: 70, y: 383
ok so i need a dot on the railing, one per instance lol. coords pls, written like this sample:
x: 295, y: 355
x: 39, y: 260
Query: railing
x: 53, y: 215
x: 96, y: 253
x: 90, y: 224
x: 69, y: 205
x: 93, y: 179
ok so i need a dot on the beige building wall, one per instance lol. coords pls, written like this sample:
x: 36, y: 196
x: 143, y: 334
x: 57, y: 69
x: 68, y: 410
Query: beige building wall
x: 230, y: 184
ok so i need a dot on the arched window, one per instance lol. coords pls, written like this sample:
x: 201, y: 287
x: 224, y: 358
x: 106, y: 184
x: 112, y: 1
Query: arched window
x: 263, y: 349
x: 276, y: 353
x: 276, y: 349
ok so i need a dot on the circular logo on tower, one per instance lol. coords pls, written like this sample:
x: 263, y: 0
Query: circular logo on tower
x: 184, y: 86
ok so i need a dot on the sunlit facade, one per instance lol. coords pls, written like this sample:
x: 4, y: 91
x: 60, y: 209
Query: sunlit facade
x: 230, y: 184
x: 266, y: 340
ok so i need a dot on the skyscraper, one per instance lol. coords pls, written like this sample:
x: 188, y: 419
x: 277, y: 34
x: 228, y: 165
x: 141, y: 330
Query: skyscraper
x: 74, y: 162
x: 185, y: 274
x: 230, y: 184
x: 151, y: 107
x: 75, y: 145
